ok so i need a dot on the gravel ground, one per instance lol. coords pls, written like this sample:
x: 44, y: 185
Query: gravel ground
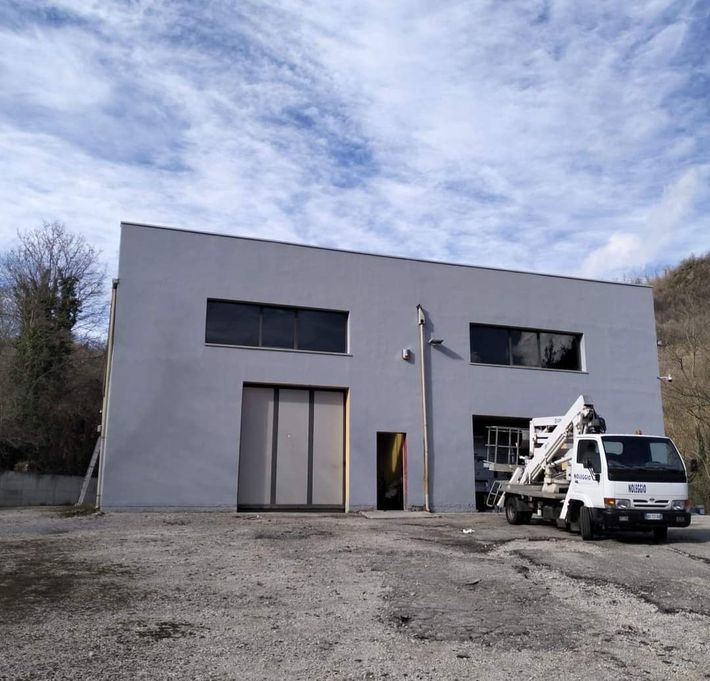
x: 296, y: 596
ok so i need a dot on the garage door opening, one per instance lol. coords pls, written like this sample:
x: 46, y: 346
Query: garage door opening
x: 292, y: 449
x: 391, y: 464
x: 498, y: 443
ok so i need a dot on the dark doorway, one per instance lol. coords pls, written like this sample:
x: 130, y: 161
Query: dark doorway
x: 391, y: 462
x: 486, y: 474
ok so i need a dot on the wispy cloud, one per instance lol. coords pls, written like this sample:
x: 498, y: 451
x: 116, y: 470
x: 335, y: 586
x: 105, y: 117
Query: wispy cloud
x: 659, y: 229
x: 554, y: 136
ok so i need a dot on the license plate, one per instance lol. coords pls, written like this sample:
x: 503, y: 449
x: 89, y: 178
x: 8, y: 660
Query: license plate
x: 653, y: 516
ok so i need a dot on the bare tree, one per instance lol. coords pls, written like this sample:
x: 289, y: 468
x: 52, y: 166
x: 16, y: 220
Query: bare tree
x: 53, y: 266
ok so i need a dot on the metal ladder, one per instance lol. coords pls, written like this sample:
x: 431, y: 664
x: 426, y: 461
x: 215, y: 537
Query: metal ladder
x: 89, y: 473
x: 494, y: 493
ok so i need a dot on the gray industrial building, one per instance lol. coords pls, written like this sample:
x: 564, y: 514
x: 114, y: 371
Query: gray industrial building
x: 257, y: 374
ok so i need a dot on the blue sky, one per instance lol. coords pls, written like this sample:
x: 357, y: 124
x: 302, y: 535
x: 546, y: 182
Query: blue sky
x: 563, y: 137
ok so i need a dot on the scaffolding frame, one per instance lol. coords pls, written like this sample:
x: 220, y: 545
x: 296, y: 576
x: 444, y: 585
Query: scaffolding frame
x: 504, y: 447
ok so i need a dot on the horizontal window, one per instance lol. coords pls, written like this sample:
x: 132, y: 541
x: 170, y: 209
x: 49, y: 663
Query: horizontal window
x: 525, y: 347
x: 270, y: 326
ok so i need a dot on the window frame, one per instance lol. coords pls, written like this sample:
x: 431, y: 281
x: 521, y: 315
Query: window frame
x: 538, y: 331
x: 295, y: 309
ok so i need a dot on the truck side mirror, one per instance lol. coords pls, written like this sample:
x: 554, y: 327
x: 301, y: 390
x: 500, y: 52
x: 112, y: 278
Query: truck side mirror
x: 693, y: 465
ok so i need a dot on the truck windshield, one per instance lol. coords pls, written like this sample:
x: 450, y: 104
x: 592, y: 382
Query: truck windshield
x: 642, y: 459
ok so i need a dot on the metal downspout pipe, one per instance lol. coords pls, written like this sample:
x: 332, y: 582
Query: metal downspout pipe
x: 421, y: 320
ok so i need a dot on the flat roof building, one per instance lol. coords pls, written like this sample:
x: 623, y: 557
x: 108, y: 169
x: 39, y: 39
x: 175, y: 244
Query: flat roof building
x: 257, y: 374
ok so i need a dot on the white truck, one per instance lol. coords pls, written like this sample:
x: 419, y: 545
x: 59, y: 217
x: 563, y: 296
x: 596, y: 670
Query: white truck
x: 587, y: 480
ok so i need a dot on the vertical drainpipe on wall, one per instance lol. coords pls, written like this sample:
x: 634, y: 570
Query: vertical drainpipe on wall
x: 104, y: 402
x: 421, y: 320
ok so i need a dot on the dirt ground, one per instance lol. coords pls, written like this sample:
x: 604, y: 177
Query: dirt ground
x: 288, y: 596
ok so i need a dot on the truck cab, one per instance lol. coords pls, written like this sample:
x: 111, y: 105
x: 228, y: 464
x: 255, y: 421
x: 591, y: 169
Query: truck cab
x: 633, y: 482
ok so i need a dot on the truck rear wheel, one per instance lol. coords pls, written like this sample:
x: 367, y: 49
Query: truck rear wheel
x: 586, y: 528
x: 513, y: 515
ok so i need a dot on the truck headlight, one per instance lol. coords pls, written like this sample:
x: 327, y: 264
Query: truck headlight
x: 617, y: 503
x: 679, y: 504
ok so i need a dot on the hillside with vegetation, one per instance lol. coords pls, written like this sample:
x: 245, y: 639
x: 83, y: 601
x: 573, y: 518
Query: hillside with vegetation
x: 682, y: 302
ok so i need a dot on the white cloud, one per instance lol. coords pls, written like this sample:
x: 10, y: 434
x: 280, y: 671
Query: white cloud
x: 65, y: 75
x: 627, y: 252
x: 531, y: 135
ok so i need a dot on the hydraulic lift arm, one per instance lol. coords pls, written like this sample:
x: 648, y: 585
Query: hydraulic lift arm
x: 580, y: 418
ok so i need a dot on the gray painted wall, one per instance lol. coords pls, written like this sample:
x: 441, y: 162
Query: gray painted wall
x: 35, y: 489
x: 174, y: 402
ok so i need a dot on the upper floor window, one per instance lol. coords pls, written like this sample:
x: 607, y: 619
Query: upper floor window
x: 525, y: 347
x: 270, y: 326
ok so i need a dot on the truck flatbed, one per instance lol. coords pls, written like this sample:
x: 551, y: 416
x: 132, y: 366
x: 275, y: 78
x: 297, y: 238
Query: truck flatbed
x: 500, y: 467
x: 531, y: 490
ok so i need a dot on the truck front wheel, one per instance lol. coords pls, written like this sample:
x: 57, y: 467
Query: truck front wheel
x: 513, y: 515
x: 586, y: 528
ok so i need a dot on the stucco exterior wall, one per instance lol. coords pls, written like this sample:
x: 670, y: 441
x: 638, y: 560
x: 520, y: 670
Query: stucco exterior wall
x: 174, y: 402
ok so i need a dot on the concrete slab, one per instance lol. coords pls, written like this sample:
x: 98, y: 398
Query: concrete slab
x: 396, y: 515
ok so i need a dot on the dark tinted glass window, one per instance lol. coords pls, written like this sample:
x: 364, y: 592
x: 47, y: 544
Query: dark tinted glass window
x: 524, y: 348
x: 232, y: 323
x: 323, y: 331
x: 664, y: 454
x: 559, y: 351
x: 642, y: 459
x: 278, y: 327
x: 489, y: 345
x: 588, y: 451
